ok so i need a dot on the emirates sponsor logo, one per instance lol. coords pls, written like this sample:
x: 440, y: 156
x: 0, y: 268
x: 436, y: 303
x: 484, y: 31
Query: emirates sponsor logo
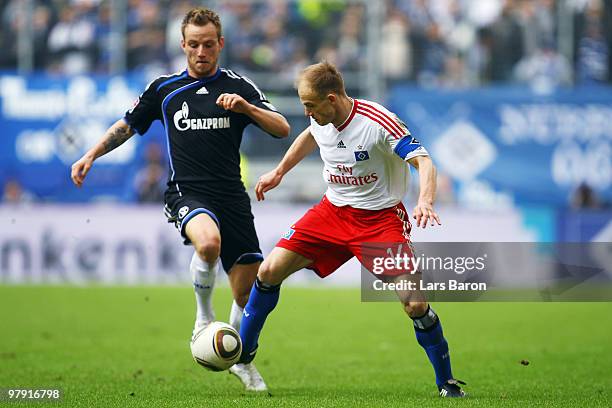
x: 350, y: 180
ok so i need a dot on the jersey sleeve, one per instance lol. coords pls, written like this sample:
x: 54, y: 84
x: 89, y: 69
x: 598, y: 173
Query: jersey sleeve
x: 145, y: 110
x: 252, y: 94
x: 398, y: 139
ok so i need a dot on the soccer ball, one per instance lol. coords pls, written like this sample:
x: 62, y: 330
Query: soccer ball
x: 216, y: 347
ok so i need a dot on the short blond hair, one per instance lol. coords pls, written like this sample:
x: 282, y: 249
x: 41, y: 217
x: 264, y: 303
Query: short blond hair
x: 201, y: 16
x: 323, y: 78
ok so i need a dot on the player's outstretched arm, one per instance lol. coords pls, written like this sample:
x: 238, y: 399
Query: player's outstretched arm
x: 115, y: 136
x: 301, y: 147
x: 423, y: 212
x: 272, y: 122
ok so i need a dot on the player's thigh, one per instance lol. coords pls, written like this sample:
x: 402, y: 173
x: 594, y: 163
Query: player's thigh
x: 240, y: 242
x: 204, y: 234
x: 241, y: 278
x: 280, y: 264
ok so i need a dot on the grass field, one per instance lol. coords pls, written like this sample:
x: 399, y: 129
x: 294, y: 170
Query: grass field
x: 128, y: 347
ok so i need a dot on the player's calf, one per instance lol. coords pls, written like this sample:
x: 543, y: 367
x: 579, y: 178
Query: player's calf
x: 415, y: 309
x: 264, y: 296
x: 203, y: 276
x: 430, y: 336
x: 262, y: 301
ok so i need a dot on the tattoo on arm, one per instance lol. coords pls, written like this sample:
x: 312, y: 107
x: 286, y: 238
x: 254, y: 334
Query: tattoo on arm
x: 116, y: 138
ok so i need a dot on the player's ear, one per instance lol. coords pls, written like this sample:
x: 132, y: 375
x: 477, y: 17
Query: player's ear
x: 221, y: 43
x: 183, y: 44
x: 332, y: 98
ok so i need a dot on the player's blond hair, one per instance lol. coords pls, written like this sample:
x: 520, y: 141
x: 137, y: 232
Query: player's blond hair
x: 201, y: 16
x: 323, y: 78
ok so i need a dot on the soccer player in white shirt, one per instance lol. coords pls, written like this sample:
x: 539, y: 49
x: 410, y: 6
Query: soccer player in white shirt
x: 364, y: 148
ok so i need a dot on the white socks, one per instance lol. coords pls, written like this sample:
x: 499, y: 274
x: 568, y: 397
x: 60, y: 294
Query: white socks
x: 203, y: 275
x: 235, y: 316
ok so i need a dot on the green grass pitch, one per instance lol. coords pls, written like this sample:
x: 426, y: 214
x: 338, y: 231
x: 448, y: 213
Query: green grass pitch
x: 128, y: 347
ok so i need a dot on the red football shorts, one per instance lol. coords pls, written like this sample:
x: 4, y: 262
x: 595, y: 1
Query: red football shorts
x: 331, y: 235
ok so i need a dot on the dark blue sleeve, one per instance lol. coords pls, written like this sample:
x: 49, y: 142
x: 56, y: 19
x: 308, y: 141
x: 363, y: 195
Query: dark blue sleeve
x: 253, y: 95
x: 145, y: 110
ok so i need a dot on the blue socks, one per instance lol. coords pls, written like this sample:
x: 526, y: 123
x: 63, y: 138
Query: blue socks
x: 429, y: 335
x: 262, y: 301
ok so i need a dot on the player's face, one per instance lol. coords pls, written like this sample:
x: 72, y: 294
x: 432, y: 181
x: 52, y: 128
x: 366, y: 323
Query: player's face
x: 202, y: 48
x: 321, y: 109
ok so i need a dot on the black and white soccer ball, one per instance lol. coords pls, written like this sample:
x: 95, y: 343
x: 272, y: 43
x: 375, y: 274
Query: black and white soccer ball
x: 216, y: 347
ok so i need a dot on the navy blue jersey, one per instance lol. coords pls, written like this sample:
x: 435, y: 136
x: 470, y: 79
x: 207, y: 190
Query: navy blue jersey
x: 203, y: 139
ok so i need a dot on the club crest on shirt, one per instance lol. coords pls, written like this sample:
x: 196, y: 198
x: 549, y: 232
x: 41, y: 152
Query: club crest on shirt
x: 362, y: 155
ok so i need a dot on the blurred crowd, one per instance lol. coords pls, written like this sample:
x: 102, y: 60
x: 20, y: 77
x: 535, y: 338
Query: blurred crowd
x: 458, y: 43
x: 451, y: 43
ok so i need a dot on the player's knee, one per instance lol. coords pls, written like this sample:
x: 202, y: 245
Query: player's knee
x: 209, y: 249
x: 270, y: 273
x: 415, y: 309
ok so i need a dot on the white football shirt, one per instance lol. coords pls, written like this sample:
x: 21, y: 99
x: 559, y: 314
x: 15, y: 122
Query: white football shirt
x: 361, y: 168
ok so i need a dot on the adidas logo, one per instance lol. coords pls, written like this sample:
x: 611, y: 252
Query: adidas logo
x: 341, y: 145
x: 202, y: 91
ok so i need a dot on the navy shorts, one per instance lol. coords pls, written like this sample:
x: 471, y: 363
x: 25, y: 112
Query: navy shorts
x: 239, y: 243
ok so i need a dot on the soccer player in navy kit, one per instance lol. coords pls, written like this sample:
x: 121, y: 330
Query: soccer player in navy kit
x: 204, y: 110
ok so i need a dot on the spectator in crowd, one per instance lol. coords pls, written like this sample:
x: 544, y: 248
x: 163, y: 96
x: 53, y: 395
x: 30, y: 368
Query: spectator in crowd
x: 146, y: 40
x: 507, y: 43
x: 592, y: 52
x: 448, y: 43
x: 104, y: 40
x: 545, y: 68
x: 584, y: 197
x: 41, y: 26
x: 71, y: 41
x: 14, y: 193
x: 537, y: 22
x: 434, y: 57
x: 395, y: 49
x: 150, y: 180
x: 274, y: 49
x: 351, y: 53
x: 173, y: 34
x: 11, y: 22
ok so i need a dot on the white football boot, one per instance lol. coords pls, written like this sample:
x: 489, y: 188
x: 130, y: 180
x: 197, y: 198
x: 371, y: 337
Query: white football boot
x: 249, y: 376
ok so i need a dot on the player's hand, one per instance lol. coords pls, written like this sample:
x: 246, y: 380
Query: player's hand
x: 266, y: 183
x: 424, y: 213
x: 80, y: 170
x: 233, y: 102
